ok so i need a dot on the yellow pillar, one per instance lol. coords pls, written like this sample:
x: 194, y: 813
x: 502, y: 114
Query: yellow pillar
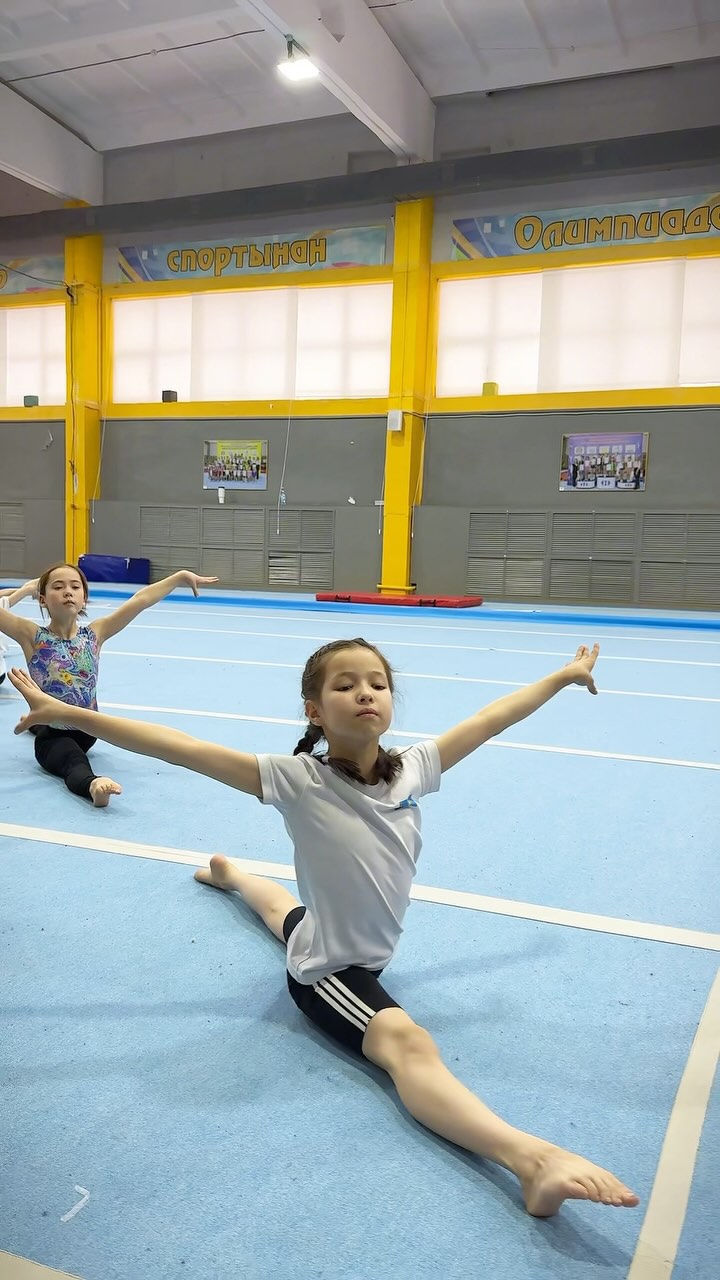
x: 83, y: 274
x: 408, y: 391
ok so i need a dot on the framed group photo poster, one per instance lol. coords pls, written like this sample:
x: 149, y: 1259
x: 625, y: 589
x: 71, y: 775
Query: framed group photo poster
x: 235, y: 464
x: 604, y: 460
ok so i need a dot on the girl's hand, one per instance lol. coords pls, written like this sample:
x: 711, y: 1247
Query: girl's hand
x: 195, y: 582
x: 43, y: 708
x: 31, y: 586
x: 580, y: 669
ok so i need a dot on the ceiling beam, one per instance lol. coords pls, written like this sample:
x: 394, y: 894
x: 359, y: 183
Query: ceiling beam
x: 39, y: 151
x: 361, y: 67
x: 617, y: 24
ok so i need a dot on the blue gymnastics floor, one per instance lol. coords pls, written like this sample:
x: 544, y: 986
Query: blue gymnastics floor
x: 152, y: 1057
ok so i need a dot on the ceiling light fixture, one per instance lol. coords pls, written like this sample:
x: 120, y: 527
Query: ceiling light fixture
x: 297, y: 66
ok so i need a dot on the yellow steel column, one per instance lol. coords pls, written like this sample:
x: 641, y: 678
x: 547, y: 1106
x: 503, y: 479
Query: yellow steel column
x: 408, y: 390
x: 83, y: 274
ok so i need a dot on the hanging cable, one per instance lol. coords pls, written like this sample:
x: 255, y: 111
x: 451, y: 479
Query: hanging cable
x: 58, y: 284
x: 282, y: 499
x: 104, y: 390
x: 131, y: 57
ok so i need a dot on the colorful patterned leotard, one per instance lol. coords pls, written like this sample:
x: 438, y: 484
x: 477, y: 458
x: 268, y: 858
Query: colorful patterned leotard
x: 66, y: 669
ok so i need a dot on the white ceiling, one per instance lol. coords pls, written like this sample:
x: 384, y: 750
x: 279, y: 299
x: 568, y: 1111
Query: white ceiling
x: 223, y: 80
x: 472, y: 46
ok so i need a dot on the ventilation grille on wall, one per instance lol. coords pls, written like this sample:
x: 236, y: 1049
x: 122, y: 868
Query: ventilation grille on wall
x: 593, y: 533
x: 12, y: 537
x: 234, y: 566
x: 170, y: 526
x: 603, y: 581
x: 300, y: 549
x: 680, y: 560
x: 603, y: 557
x: 688, y: 536
x: 251, y: 548
x: 506, y: 552
x: 302, y: 530
x: 674, y: 585
x: 223, y: 527
x: 516, y: 579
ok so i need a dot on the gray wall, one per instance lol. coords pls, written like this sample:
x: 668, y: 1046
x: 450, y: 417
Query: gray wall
x: 494, y: 522
x: 492, y: 519
x: 635, y: 104
x: 153, y: 503
x: 32, y: 503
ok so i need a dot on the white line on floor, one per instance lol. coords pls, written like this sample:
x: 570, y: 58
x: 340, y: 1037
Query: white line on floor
x: 503, y: 743
x: 416, y: 644
x: 422, y: 893
x: 405, y: 675
x: 404, y: 733
x: 662, y: 1228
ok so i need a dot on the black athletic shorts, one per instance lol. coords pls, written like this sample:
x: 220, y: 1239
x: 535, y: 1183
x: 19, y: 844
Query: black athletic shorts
x: 343, y: 1003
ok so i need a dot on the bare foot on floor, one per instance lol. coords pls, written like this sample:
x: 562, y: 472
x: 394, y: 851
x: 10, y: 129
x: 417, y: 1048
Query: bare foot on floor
x: 101, y: 789
x: 555, y: 1175
x: 218, y: 874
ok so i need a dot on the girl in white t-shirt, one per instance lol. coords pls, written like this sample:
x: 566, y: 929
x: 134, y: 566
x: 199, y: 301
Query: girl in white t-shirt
x: 355, y: 824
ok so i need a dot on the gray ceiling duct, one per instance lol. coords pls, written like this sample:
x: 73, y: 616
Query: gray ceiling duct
x: 459, y: 175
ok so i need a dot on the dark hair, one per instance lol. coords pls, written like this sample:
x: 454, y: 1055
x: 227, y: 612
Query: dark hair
x: 62, y: 564
x: 389, y: 763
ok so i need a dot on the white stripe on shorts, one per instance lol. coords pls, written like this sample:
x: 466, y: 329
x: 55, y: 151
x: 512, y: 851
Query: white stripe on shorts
x: 345, y: 1002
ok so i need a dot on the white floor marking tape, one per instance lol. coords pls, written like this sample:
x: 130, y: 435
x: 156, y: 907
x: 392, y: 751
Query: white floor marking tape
x: 421, y: 893
x: 662, y: 1227
x: 502, y: 743
x: 402, y: 733
x: 564, y: 654
x: 404, y: 675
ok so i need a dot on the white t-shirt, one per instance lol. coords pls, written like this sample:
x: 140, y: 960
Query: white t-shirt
x: 356, y: 850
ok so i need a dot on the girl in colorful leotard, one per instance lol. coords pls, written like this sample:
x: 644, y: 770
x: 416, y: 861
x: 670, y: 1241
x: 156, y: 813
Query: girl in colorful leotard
x: 62, y: 658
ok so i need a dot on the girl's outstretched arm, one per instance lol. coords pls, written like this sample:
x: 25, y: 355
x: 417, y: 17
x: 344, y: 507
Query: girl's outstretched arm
x: 465, y: 737
x: 14, y: 595
x: 235, y: 768
x: 104, y: 628
x: 19, y: 629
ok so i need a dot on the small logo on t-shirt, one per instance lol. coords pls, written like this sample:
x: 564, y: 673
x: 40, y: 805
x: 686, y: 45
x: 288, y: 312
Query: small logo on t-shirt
x: 410, y: 803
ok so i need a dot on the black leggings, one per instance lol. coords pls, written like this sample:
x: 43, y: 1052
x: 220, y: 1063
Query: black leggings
x: 63, y: 752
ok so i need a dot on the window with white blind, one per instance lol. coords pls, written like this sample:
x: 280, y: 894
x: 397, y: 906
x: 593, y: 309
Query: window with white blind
x: 645, y: 324
x: 254, y: 344
x: 152, y: 340
x: 343, y: 341
x: 489, y: 331
x: 32, y: 354
x: 700, y: 344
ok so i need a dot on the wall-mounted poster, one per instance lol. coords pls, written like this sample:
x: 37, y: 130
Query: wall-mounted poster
x: 604, y: 460
x: 235, y: 464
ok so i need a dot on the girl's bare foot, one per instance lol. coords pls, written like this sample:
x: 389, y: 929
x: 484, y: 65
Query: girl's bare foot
x: 552, y: 1175
x: 219, y: 873
x: 267, y: 899
x: 101, y: 789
